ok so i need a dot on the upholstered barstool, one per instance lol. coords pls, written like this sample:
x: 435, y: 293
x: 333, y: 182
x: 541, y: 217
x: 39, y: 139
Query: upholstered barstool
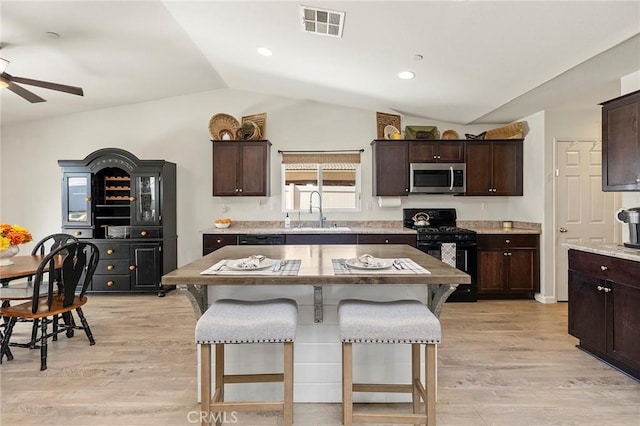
x: 230, y: 321
x: 401, y: 321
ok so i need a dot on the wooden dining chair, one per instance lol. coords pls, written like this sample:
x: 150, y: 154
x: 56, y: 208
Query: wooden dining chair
x: 24, y: 290
x: 79, y: 264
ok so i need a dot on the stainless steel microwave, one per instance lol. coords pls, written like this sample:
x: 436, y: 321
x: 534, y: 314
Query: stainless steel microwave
x: 438, y: 178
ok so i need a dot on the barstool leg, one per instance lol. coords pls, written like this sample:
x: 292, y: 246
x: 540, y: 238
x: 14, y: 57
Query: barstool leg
x: 347, y: 383
x: 415, y: 376
x: 288, y: 383
x: 430, y: 382
x: 205, y: 383
x: 219, y: 393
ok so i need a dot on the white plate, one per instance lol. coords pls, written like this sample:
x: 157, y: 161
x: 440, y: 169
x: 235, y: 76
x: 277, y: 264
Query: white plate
x: 235, y: 264
x: 355, y: 263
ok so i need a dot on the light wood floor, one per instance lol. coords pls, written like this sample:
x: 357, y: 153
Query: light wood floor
x: 500, y: 363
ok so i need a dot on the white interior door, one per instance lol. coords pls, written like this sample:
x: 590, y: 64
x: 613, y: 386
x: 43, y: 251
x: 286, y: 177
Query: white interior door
x: 583, y: 212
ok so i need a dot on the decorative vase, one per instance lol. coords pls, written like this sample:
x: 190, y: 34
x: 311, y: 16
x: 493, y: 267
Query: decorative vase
x: 7, y: 254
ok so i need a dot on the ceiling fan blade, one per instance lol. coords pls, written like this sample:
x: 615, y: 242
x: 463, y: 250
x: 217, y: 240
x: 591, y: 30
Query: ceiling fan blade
x: 21, y: 91
x: 48, y: 85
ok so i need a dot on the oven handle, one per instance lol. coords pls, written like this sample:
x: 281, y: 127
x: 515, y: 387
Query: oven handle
x: 451, y: 171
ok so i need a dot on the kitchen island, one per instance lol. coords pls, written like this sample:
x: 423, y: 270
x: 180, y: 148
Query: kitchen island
x: 317, y: 287
x: 604, y: 303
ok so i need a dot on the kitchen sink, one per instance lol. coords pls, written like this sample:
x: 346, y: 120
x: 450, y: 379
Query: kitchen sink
x: 327, y: 229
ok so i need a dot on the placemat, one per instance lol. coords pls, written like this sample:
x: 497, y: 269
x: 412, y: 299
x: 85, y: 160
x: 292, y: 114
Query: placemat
x: 290, y: 267
x: 405, y: 266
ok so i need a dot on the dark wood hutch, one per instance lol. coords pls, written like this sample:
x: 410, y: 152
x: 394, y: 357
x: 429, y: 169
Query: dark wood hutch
x: 127, y: 207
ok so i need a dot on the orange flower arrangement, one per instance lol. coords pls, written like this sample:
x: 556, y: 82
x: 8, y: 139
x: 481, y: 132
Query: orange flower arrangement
x: 12, y: 235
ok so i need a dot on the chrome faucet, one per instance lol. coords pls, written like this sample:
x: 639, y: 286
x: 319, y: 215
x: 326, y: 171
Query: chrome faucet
x: 321, y: 218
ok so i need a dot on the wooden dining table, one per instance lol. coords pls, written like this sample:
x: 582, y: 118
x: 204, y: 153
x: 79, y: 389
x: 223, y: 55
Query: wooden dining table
x: 23, y: 267
x: 317, y: 269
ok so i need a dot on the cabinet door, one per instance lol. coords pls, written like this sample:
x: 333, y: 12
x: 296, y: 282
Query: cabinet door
x: 390, y: 168
x: 226, y: 163
x: 423, y: 152
x: 212, y: 242
x: 587, y: 311
x: 621, y: 144
x: 253, y: 175
x: 451, y: 152
x: 145, y: 207
x: 145, y: 266
x: 77, y: 200
x: 507, y: 168
x: 479, y: 168
x: 623, y: 314
x: 492, y: 265
x: 522, y: 271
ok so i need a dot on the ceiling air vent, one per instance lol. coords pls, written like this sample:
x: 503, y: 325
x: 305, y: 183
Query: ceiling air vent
x: 322, y: 21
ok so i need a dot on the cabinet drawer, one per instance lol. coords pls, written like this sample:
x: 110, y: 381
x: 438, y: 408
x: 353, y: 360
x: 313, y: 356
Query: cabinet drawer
x: 605, y: 267
x: 146, y: 232
x: 321, y: 239
x: 113, y: 250
x: 113, y: 266
x: 110, y: 283
x: 409, y: 239
x: 79, y: 232
x: 507, y: 241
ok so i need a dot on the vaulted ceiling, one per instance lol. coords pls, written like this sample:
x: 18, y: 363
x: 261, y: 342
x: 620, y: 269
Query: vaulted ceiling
x: 482, y: 61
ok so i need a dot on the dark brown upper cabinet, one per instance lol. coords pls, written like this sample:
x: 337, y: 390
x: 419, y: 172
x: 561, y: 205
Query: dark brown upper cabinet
x: 621, y: 143
x: 494, y: 167
x: 241, y: 168
x: 436, y: 151
x: 390, y: 167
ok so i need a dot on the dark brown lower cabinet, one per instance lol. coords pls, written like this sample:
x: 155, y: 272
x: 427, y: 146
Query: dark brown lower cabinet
x: 604, y: 308
x: 508, y: 266
x: 212, y: 242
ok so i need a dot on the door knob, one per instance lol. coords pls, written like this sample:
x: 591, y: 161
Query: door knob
x: 563, y: 230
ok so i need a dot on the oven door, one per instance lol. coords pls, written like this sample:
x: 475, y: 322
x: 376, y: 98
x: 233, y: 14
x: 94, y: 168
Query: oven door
x: 464, y: 258
x: 437, y: 178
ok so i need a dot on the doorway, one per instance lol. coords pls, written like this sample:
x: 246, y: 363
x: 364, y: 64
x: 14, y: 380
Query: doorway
x: 583, y: 213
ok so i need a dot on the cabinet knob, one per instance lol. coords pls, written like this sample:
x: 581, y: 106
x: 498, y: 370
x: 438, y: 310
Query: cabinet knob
x: 77, y: 233
x: 143, y: 233
x: 110, y: 267
x: 386, y: 241
x: 219, y: 241
x: 607, y: 290
x: 507, y: 241
x: 110, y: 283
x: 236, y: 190
x: 510, y: 253
x: 110, y: 251
x: 600, y: 288
x: 132, y: 267
x: 132, y: 198
x: 240, y: 190
x: 435, y: 156
x: 638, y: 180
x: 604, y: 268
x: 563, y: 230
x: 505, y: 254
x: 87, y: 199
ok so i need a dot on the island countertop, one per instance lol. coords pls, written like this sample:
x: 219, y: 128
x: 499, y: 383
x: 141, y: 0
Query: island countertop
x: 607, y: 249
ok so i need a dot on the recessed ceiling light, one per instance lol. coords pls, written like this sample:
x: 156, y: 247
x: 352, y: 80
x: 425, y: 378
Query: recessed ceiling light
x: 265, y: 51
x: 406, y: 75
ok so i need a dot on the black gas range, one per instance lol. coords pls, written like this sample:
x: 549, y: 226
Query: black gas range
x: 441, y: 238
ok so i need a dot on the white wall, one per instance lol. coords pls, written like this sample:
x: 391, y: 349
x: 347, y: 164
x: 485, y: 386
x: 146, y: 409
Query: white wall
x: 176, y: 129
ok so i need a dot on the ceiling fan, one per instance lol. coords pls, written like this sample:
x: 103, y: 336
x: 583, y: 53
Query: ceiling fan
x: 9, y: 81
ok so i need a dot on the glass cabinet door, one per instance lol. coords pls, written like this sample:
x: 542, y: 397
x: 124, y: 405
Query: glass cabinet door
x: 76, y: 199
x: 146, y: 202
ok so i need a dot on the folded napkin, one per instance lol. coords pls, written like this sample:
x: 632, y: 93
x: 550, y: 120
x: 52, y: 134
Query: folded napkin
x: 251, y: 262
x: 369, y: 260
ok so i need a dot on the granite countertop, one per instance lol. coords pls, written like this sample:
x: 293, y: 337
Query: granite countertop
x: 611, y: 250
x: 367, y: 227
